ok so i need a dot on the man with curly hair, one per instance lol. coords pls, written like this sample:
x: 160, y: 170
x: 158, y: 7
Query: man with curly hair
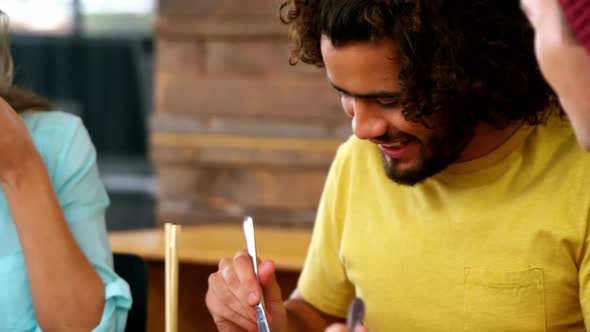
x: 460, y: 203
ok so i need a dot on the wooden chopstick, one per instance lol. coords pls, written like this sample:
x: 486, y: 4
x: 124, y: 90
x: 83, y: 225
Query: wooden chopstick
x: 171, y: 278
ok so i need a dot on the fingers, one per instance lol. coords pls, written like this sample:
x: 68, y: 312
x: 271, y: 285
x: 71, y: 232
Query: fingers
x: 226, y: 318
x: 227, y: 296
x: 234, y: 291
x: 337, y: 328
x: 272, y: 291
x: 245, y: 273
x: 225, y: 305
x: 342, y: 328
x: 229, y: 290
x: 361, y: 328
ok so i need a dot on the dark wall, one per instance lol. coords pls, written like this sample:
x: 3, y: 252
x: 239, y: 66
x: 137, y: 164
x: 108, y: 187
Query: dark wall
x: 105, y: 80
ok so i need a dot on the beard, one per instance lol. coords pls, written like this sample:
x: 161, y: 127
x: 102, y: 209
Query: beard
x: 436, y: 154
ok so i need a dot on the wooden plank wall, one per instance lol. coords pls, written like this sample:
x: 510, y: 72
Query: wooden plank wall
x: 237, y: 129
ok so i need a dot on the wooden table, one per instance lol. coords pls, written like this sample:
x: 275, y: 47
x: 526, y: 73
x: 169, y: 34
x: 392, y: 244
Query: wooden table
x: 200, y: 250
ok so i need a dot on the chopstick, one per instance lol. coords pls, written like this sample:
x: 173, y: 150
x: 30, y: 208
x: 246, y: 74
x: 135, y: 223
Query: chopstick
x: 171, y: 277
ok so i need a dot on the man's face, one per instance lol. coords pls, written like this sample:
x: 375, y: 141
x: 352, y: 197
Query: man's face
x: 564, y: 63
x: 367, y: 76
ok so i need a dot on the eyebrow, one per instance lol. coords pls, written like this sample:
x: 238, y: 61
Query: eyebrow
x: 371, y: 95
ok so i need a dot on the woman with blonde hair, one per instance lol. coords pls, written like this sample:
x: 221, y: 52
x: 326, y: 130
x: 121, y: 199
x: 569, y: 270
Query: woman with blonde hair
x: 56, y: 269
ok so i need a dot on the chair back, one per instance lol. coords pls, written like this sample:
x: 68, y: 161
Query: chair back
x: 133, y: 269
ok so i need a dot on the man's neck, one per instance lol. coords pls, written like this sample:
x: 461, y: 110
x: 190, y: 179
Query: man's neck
x: 487, y: 139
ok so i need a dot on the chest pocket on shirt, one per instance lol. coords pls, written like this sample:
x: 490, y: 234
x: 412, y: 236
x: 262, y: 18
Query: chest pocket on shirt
x: 504, y: 301
x: 16, y: 308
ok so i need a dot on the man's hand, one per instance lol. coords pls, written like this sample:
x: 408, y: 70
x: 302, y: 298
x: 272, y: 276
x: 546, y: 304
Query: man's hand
x: 233, y: 293
x: 343, y: 328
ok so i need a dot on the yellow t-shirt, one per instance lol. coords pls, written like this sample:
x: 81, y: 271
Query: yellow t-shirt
x: 495, y: 244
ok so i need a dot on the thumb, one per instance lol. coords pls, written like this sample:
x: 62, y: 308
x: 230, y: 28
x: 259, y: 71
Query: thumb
x: 268, y: 281
x: 275, y: 307
x: 361, y: 328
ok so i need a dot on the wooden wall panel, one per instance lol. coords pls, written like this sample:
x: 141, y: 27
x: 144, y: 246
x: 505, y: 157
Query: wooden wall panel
x: 236, y: 128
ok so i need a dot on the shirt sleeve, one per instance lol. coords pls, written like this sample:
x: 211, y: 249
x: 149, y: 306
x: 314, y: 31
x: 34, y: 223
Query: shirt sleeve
x: 323, y: 281
x: 84, y: 201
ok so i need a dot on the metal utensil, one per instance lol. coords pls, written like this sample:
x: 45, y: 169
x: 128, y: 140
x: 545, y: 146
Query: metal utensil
x: 251, y: 245
x: 356, y: 314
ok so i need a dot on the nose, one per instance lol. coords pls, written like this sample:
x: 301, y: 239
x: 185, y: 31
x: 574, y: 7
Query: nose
x: 367, y: 121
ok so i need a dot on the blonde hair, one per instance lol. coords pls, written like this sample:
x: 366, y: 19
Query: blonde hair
x: 20, y: 99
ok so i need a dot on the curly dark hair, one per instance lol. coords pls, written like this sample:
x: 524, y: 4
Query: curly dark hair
x: 462, y: 62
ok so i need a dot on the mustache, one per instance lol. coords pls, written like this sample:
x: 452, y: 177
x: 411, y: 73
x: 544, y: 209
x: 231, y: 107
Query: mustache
x: 388, y: 137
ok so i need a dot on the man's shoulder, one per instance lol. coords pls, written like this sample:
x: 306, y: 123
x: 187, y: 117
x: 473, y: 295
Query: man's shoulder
x: 556, y: 154
x: 556, y: 137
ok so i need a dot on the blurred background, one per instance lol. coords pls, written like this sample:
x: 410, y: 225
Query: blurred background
x: 195, y: 112
x: 94, y: 58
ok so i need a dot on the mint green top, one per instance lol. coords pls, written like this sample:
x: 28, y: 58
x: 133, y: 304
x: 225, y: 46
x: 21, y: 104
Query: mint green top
x: 70, y: 158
